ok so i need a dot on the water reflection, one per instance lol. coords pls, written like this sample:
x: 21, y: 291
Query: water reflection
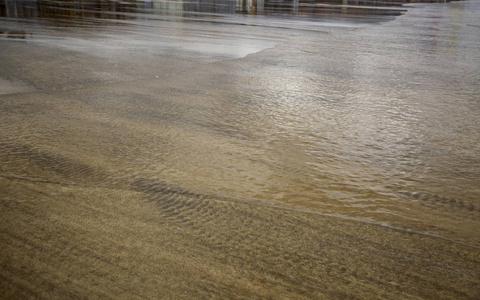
x: 67, y: 9
x: 80, y: 9
x: 15, y: 34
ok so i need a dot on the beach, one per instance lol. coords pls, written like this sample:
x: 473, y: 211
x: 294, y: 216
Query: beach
x: 114, y: 243
x: 206, y: 154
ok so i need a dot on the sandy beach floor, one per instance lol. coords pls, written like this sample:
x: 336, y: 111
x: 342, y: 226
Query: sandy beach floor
x: 185, y: 159
x: 153, y: 241
x: 77, y: 220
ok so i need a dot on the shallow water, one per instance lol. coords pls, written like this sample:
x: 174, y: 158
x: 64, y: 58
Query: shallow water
x: 241, y: 150
x: 364, y: 112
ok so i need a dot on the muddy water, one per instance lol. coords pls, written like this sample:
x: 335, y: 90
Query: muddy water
x: 189, y: 128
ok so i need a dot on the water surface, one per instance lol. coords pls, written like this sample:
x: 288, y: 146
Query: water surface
x: 353, y: 110
x: 374, y: 122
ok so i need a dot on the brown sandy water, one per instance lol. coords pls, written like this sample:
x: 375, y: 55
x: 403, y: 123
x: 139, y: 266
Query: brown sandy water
x: 191, y: 156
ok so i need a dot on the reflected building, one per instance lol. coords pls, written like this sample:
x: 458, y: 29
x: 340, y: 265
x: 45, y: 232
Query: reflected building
x: 249, y: 6
x: 266, y: 7
x: 175, y: 7
x: 18, y: 9
x: 131, y: 9
x: 69, y: 9
x: 312, y: 7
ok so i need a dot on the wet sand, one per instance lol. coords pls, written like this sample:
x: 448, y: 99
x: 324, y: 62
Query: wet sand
x: 80, y: 218
x: 155, y: 241
x: 135, y: 165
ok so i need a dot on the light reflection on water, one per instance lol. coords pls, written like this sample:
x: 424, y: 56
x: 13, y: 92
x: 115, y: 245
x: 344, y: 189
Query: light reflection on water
x: 376, y: 123
x: 370, y: 11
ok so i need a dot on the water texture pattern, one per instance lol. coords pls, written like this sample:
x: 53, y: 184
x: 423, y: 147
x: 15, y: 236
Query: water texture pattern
x: 239, y: 150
